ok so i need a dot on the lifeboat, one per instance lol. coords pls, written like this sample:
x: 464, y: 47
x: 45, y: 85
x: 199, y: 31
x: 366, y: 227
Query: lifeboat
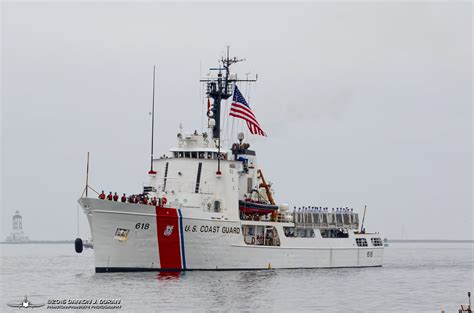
x: 249, y: 207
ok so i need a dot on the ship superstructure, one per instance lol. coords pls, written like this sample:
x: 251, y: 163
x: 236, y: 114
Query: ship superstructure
x: 209, y: 207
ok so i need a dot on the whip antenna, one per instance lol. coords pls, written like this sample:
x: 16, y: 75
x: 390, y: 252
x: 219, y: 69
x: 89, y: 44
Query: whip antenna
x: 87, y: 174
x: 152, y: 123
x: 363, y: 219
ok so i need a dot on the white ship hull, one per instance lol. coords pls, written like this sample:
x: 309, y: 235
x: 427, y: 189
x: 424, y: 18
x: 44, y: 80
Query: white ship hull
x: 136, y: 237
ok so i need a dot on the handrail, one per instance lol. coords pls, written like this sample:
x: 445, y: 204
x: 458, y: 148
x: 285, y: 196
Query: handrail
x: 326, y: 220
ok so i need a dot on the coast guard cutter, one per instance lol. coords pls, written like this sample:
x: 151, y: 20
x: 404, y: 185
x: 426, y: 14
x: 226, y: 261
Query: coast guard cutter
x: 209, y: 207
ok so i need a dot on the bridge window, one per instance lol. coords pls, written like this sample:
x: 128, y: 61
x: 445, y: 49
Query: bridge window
x: 376, y: 242
x: 361, y: 242
x: 195, y: 155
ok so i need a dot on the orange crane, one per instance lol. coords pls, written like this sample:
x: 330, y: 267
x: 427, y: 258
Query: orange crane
x: 264, y: 184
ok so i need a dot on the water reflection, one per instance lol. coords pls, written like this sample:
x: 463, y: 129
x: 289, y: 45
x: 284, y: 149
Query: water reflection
x: 258, y: 276
x: 169, y: 275
x: 417, y: 277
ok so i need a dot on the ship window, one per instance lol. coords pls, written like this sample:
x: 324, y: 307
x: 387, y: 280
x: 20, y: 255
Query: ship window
x: 209, y: 155
x: 376, y: 242
x: 201, y: 155
x: 187, y: 155
x: 361, y: 242
x: 289, y: 231
x: 217, y: 206
x: 334, y: 233
x: 298, y: 232
x: 260, y: 235
x: 175, y: 154
x: 194, y: 155
x: 305, y: 232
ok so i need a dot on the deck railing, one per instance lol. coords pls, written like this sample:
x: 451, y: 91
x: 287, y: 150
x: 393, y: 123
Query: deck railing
x: 326, y: 220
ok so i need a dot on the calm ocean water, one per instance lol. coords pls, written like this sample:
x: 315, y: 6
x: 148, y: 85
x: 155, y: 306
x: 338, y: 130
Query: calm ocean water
x: 414, y: 278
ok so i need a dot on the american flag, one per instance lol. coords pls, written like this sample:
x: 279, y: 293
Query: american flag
x: 240, y: 109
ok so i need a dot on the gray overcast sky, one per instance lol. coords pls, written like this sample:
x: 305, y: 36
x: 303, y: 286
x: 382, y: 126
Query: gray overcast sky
x: 364, y: 103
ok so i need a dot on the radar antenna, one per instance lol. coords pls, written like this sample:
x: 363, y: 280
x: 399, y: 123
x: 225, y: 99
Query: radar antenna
x: 220, y: 88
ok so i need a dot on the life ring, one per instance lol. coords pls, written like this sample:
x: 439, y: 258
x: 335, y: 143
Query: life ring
x: 164, y: 200
x: 253, y: 240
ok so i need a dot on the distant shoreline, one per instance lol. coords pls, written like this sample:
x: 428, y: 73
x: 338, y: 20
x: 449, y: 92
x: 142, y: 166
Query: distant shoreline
x: 36, y: 242
x: 428, y: 241
x: 388, y: 241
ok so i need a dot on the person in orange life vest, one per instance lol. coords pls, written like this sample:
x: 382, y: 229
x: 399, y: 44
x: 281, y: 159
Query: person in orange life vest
x: 110, y: 197
x: 102, y: 195
x: 154, y: 201
x: 124, y: 198
x: 116, y: 197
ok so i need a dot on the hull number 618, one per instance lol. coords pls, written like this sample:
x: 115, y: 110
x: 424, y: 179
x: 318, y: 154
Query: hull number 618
x: 142, y: 226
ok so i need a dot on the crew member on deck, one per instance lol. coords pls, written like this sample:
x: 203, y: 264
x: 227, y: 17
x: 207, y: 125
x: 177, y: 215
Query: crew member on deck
x: 124, y: 198
x: 116, y: 197
x: 110, y: 197
x: 102, y: 195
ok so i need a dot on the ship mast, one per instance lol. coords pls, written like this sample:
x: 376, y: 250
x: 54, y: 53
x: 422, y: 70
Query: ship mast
x: 219, y: 89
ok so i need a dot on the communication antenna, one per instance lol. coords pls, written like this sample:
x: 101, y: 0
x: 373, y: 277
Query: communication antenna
x: 152, y: 123
x: 363, y: 219
x: 86, y: 189
x: 219, y: 89
x: 87, y: 173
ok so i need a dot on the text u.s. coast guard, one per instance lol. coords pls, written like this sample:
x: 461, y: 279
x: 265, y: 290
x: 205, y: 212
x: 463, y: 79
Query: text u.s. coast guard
x: 212, y: 229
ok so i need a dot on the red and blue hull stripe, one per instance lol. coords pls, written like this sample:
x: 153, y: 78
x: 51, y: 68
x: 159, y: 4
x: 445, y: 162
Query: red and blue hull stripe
x: 170, y: 235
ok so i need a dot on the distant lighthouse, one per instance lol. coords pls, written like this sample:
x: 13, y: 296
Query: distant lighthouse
x: 17, y: 234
